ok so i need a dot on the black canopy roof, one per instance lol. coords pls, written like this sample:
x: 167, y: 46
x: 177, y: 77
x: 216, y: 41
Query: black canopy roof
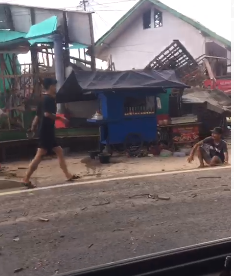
x: 79, y: 82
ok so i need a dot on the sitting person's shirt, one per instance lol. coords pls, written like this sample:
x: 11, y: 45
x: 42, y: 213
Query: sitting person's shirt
x: 215, y: 149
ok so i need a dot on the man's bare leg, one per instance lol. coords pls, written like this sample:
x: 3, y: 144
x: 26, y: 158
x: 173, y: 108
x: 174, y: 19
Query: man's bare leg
x: 34, y: 164
x: 59, y: 152
x: 215, y: 161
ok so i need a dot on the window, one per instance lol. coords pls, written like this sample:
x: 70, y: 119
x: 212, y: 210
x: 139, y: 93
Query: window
x: 147, y: 20
x: 152, y: 19
x: 157, y: 19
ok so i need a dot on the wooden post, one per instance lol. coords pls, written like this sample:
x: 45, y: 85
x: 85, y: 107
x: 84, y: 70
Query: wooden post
x: 34, y: 58
x: 2, y: 63
x: 66, y: 40
x: 92, y: 51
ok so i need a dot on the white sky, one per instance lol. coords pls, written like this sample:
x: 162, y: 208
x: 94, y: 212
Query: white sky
x: 214, y: 14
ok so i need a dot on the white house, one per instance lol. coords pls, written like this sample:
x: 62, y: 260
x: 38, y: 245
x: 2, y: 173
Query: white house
x: 148, y: 28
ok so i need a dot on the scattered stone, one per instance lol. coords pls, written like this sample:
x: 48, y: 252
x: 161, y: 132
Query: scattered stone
x: 18, y: 270
x: 43, y: 219
x: 163, y: 170
x: 207, y: 177
x: 62, y: 236
x: 139, y: 195
x: 164, y: 197
x: 118, y: 229
x: 102, y: 203
x: 16, y: 239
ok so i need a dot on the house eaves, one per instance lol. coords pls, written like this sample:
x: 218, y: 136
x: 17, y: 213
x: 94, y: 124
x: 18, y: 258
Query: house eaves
x: 179, y: 15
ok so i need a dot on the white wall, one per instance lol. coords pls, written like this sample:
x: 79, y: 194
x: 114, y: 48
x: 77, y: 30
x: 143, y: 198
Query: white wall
x: 136, y: 47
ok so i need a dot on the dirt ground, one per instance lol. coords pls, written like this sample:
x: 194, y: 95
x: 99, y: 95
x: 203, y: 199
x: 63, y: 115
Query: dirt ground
x: 49, y: 172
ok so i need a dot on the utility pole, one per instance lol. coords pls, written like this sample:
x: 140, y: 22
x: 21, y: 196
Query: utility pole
x: 84, y: 4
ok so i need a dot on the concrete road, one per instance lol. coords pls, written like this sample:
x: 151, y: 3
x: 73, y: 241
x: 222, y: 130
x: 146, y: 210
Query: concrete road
x: 50, y: 231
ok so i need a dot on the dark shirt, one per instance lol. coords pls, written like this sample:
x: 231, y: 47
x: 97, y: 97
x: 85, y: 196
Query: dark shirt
x: 216, y: 149
x: 46, y: 125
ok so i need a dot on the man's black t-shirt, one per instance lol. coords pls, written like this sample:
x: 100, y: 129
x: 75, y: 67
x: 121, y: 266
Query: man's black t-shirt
x: 216, y: 149
x: 46, y: 125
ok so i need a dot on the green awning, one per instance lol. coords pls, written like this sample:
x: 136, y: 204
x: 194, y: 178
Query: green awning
x: 40, y: 40
x: 6, y: 35
x: 44, y: 28
x: 77, y: 46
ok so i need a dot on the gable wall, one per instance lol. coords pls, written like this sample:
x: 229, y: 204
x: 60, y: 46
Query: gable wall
x: 136, y: 47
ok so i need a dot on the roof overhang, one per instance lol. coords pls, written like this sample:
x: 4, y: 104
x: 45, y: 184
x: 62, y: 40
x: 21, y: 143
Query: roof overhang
x: 17, y: 46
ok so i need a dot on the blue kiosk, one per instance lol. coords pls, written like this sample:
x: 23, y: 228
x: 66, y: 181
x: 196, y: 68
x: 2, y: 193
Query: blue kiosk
x: 128, y: 103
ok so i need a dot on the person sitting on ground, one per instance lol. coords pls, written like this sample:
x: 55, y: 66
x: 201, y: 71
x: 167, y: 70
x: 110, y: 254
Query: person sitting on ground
x: 212, y: 150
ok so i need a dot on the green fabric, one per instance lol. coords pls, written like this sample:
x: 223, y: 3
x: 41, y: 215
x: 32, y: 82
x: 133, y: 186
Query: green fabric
x: 44, y: 28
x: 6, y: 35
x: 40, y: 40
x: 164, y: 98
x: 78, y: 46
x: 188, y: 20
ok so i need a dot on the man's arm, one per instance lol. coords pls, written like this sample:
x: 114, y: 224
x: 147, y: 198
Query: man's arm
x: 35, y: 123
x: 194, y: 149
x: 196, y: 146
x: 36, y: 118
x: 50, y: 115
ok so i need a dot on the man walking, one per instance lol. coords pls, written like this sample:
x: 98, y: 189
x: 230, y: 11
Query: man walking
x: 212, y: 150
x: 46, y: 116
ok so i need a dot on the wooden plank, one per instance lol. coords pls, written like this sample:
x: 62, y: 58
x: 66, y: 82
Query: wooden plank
x: 26, y: 75
x: 92, y: 51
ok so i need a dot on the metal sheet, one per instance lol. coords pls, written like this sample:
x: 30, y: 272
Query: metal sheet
x: 78, y: 22
x: 21, y: 18
x: 78, y: 26
x: 41, y: 15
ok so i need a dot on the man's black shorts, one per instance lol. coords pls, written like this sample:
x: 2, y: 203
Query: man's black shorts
x: 47, y: 143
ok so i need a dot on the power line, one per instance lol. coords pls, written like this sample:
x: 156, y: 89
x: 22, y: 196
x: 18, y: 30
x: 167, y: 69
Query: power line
x: 110, y: 3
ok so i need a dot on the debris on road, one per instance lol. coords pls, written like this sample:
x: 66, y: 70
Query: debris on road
x: 194, y: 195
x: 84, y: 208
x: 207, y: 177
x: 18, y: 270
x: 118, y: 229
x: 139, y: 195
x: 90, y: 245
x: 164, y: 197
x: 43, y: 219
x: 102, y: 203
x: 16, y: 239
